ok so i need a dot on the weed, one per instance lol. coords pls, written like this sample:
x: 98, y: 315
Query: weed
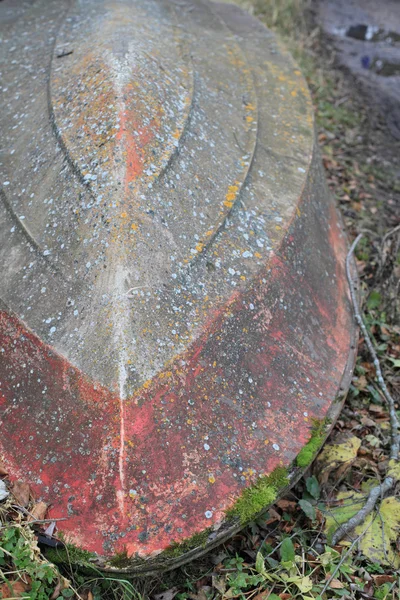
x: 23, y: 570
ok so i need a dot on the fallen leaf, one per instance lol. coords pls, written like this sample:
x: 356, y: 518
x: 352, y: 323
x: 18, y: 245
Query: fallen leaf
x: 382, y: 532
x: 376, y: 409
x: 168, y: 595
x: 337, y: 458
x: 14, y: 589
x: 272, y: 516
x: 394, y: 469
x: 304, y: 584
x: 3, y: 470
x: 349, y: 504
x: 381, y: 579
x: 335, y: 584
x: 286, y: 505
x: 38, y: 512
x: 379, y: 532
x: 219, y: 583
x: 57, y: 590
x: 21, y: 493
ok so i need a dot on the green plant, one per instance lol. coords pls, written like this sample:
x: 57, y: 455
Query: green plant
x: 23, y: 568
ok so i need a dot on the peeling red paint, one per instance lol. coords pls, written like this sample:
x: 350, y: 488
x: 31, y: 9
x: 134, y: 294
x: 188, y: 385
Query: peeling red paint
x: 84, y: 475
x: 174, y: 307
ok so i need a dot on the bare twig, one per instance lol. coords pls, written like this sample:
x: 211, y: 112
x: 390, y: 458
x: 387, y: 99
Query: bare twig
x: 379, y: 490
x: 342, y: 560
x: 394, y: 422
x: 374, y: 495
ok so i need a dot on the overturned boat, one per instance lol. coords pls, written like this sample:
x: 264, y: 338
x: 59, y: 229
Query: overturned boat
x: 175, y: 324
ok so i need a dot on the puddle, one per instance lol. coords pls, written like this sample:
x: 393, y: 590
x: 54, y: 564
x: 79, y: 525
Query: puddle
x: 381, y: 67
x: 370, y: 33
x: 385, y: 68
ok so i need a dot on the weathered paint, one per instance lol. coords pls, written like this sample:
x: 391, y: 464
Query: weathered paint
x: 174, y: 312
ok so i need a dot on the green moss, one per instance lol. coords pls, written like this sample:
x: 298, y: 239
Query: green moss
x: 178, y: 548
x: 256, y: 498
x: 120, y: 560
x: 70, y: 554
x: 308, y: 452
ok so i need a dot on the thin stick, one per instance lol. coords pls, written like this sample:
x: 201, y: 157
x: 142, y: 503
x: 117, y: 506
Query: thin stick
x: 374, y: 495
x: 343, y: 558
x: 379, y: 490
x: 394, y: 422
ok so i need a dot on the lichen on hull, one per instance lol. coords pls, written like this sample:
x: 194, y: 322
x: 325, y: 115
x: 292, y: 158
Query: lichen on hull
x: 174, y: 312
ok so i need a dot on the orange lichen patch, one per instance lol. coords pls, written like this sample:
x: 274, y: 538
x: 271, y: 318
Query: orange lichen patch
x: 231, y: 195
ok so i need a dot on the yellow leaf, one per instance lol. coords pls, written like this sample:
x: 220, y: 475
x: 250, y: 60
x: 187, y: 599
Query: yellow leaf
x: 394, y: 469
x: 382, y: 531
x: 351, y: 503
x: 337, y: 456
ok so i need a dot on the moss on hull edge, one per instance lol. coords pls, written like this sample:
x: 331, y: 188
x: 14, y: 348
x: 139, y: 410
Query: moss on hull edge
x: 308, y: 452
x: 197, y: 540
x: 259, y: 496
x: 70, y: 554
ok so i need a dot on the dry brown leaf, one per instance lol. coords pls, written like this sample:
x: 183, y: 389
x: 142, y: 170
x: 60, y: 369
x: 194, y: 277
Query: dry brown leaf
x: 287, y: 505
x: 38, y: 512
x: 262, y: 595
x: 21, y: 492
x: 62, y: 584
x: 3, y: 470
x: 273, y: 516
x: 167, y: 595
x: 376, y: 409
x: 335, y: 584
x: 381, y: 579
x: 14, y: 589
x: 57, y: 590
